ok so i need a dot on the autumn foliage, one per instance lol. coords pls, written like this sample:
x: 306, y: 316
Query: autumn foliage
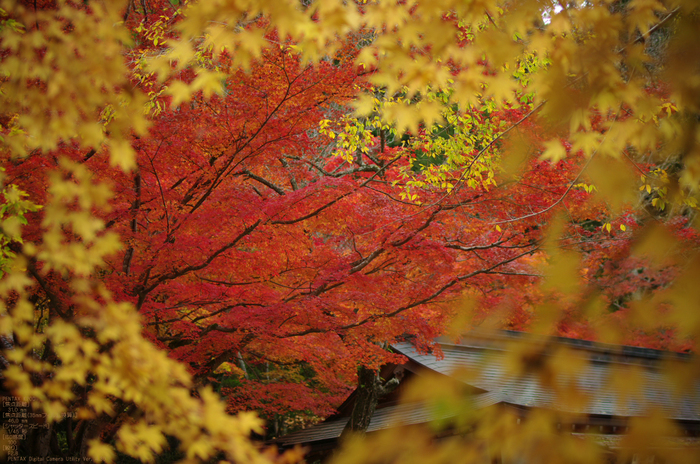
x: 253, y: 199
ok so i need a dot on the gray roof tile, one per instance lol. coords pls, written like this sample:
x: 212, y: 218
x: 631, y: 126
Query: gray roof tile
x: 485, y: 358
x: 488, y: 364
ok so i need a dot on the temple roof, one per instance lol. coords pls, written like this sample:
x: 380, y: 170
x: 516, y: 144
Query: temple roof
x: 487, y: 362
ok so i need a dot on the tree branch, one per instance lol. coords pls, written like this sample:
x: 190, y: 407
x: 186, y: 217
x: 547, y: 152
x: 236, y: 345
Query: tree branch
x: 264, y: 181
x: 179, y: 273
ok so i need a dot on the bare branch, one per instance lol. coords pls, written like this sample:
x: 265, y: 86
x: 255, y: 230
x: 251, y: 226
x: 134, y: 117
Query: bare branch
x: 264, y: 181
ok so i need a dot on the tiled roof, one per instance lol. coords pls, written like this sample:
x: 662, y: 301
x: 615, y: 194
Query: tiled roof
x: 384, y: 418
x: 485, y: 360
x: 487, y: 366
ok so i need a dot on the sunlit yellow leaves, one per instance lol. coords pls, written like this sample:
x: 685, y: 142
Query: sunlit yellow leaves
x: 17, y: 280
x: 133, y: 365
x: 416, y: 448
x: 642, y: 14
x: 518, y: 148
x: 407, y: 117
x: 142, y: 441
x: 19, y: 380
x: 367, y: 58
x: 669, y: 108
x: 338, y: 16
x: 244, y: 44
x: 657, y: 243
x: 560, y: 23
x: 101, y: 452
x: 501, y: 87
x: 180, y: 92
x: 580, y: 119
x: 73, y: 91
x: 250, y: 46
x: 62, y: 331
x: 91, y: 134
x: 614, y: 181
x: 24, y: 333
x: 364, y: 104
x: 201, y: 449
x: 588, y: 142
x: 562, y: 266
x: 690, y: 178
x: 12, y: 228
x: 499, y: 47
x: 122, y: 155
x: 286, y: 16
x: 684, y: 298
x: 554, y: 151
x: 648, y: 434
x: 87, y: 195
x: 161, y: 66
x: 430, y: 111
x: 382, y: 15
x: 209, y: 82
x: 352, y: 136
x: 180, y: 53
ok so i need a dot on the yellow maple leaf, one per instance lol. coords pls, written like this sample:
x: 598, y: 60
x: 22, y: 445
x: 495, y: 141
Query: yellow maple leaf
x: 364, y: 105
x: 431, y: 112
x: 151, y: 436
x: 100, y: 452
x: 200, y: 449
x: 502, y: 87
x: 180, y: 92
x: 122, y: 154
x: 554, y: 151
x: 54, y: 410
x: 209, y: 82
x: 100, y: 403
x: 587, y: 142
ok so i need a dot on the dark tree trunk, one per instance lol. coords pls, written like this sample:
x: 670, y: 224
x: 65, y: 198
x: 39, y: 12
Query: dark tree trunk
x: 369, y: 390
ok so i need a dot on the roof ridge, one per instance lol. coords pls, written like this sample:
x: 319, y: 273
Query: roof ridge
x: 608, y: 349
